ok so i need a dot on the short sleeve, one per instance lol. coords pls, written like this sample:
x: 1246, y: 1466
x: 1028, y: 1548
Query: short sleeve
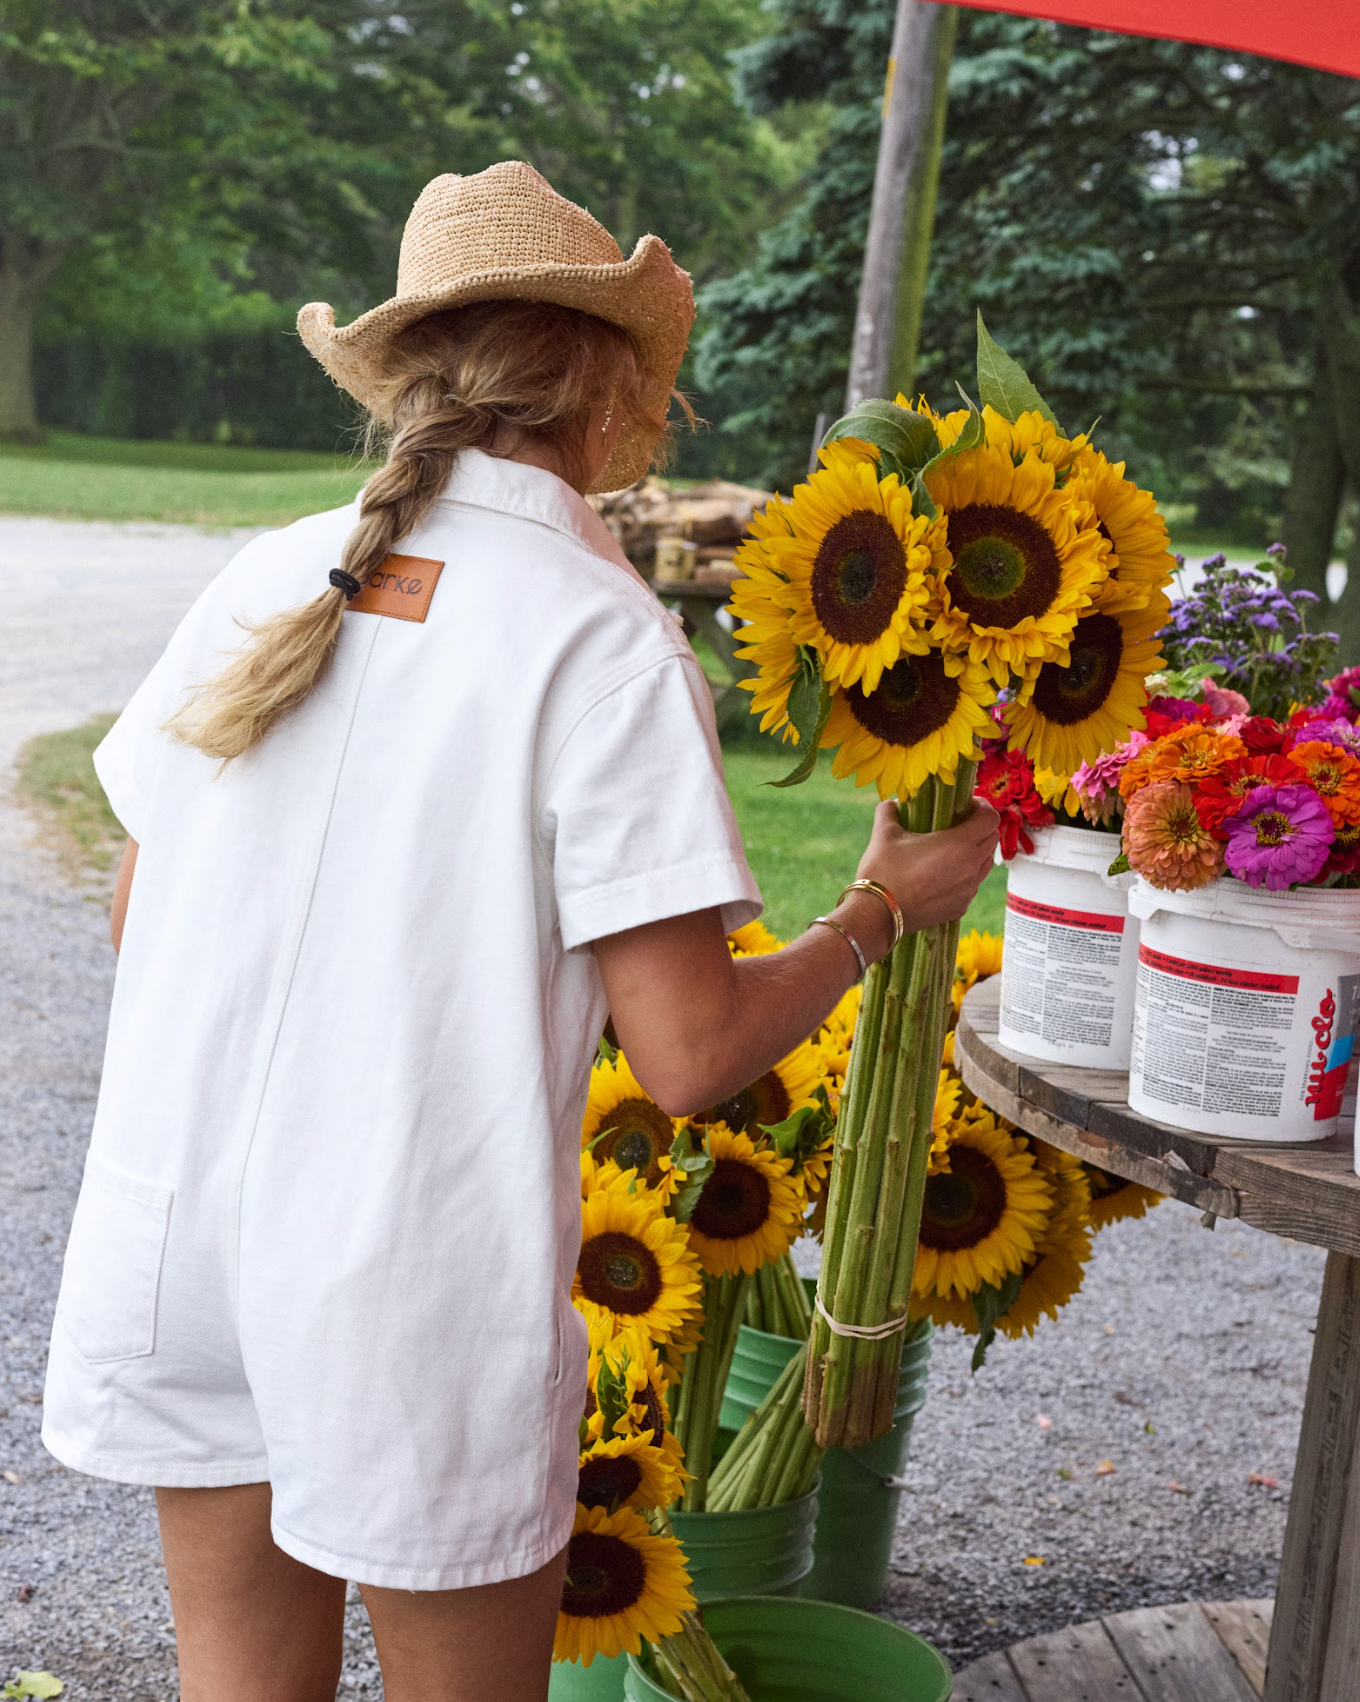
x: 127, y: 757
x: 638, y: 814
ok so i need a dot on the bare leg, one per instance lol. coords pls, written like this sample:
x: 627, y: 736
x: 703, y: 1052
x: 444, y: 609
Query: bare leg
x: 252, y: 1623
x: 488, y: 1644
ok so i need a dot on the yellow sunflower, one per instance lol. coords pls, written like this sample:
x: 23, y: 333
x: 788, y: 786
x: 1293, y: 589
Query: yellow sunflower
x: 979, y: 956
x: 773, y: 1097
x: 623, y: 1124
x: 627, y: 1471
x: 1070, y: 1183
x: 1114, y: 1197
x: 1141, y: 563
x: 1049, y: 1280
x: 753, y: 939
x: 764, y: 637
x: 1027, y: 558
x: 948, y: 1093
x: 981, y: 1219
x: 635, y: 1270
x: 927, y: 713
x: 1067, y: 715
x: 627, y: 1376
x: 751, y: 1207
x: 622, y: 1584
x: 833, y: 1042
x: 858, y: 567
x: 1031, y: 433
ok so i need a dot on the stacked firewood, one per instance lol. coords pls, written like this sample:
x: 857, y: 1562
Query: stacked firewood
x: 673, y: 536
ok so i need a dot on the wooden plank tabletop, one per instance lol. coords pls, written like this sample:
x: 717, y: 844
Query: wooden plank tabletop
x: 1308, y: 1190
x: 1190, y: 1652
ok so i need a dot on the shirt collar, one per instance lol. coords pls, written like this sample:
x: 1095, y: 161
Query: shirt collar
x: 480, y: 480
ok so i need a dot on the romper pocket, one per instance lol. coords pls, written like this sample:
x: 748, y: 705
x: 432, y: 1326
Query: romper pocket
x: 112, y: 1274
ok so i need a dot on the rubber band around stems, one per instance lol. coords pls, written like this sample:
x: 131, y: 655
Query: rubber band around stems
x: 859, y: 1332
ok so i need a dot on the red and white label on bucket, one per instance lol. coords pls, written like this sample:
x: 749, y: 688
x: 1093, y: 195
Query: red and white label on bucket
x: 1221, y: 1040
x: 1061, y: 973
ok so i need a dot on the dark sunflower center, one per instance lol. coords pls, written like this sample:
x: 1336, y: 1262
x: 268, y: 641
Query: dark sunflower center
x: 1071, y: 694
x: 735, y: 1202
x: 913, y: 700
x: 1005, y: 564
x: 963, y: 1206
x: 759, y: 1106
x: 640, y: 1133
x: 608, y: 1482
x: 617, y: 1271
x: 654, y: 1419
x: 858, y: 577
x: 604, y: 1575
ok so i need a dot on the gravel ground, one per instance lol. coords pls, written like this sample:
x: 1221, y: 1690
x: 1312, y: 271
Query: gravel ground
x: 1183, y: 1360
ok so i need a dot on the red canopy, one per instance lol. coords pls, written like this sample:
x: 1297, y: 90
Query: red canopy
x: 1325, y: 33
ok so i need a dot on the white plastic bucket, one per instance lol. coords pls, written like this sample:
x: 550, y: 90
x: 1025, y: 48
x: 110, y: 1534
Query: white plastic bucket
x: 1071, y: 952
x: 1244, y: 1020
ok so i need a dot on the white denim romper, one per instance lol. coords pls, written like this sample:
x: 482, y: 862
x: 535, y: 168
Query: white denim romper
x: 331, y: 1208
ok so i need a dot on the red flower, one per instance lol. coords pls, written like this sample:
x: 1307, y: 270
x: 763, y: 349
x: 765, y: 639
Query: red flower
x: 1006, y: 781
x: 1262, y: 736
x: 1221, y: 795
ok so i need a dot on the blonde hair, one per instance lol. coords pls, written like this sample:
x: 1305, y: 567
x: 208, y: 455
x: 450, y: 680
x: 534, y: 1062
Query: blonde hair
x: 489, y: 376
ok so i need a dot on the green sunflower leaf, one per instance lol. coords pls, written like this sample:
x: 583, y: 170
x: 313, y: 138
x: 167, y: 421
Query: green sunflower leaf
x: 809, y: 708
x: 36, y: 1684
x: 991, y: 1303
x: 692, y: 1159
x: 1004, y: 383
x: 905, y: 440
x: 804, y: 1133
x: 1120, y: 866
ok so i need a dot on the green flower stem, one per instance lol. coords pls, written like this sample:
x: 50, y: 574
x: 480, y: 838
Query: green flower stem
x: 695, y: 1418
x: 879, y: 1170
x: 779, y: 1304
x: 775, y: 1457
x: 689, y: 1666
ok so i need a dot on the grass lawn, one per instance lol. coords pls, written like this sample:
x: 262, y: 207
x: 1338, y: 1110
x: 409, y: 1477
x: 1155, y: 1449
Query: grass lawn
x: 202, y: 484
x: 804, y: 843
x: 57, y: 779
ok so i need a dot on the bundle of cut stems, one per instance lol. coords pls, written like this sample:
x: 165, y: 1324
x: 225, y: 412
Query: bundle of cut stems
x: 878, y: 1173
x: 778, y: 1303
x: 688, y: 1662
x: 697, y: 1401
x: 775, y: 1457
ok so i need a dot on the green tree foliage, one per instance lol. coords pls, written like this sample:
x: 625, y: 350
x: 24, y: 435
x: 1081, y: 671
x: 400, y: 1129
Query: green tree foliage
x: 235, y: 159
x: 1167, y: 234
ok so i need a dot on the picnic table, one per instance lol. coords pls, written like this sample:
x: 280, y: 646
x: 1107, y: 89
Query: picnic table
x: 698, y: 602
x: 1308, y: 1192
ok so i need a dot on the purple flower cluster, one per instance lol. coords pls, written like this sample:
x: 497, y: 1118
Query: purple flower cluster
x: 1246, y: 623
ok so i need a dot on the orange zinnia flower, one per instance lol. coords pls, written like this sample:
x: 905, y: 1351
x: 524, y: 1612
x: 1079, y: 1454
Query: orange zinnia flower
x: 1334, y: 775
x: 1166, y: 841
x: 1189, y: 753
x: 1136, y: 772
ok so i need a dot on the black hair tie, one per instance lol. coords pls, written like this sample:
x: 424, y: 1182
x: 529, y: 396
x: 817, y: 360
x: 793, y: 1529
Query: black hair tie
x: 345, y: 582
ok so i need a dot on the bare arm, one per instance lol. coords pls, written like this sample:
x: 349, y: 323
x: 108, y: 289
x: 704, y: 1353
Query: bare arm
x: 122, y: 891
x: 697, y: 1026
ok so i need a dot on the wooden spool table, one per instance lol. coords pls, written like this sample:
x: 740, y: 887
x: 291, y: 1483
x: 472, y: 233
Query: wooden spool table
x: 1308, y: 1192
x: 699, y: 603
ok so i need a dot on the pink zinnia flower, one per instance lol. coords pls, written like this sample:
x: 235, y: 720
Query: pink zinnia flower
x: 1280, y: 837
x: 1223, y: 701
x: 1165, y: 840
x: 1097, y: 783
x: 1341, y: 733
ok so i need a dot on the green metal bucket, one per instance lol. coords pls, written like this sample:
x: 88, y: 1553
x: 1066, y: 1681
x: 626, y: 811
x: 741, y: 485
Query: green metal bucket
x: 602, y: 1681
x: 861, y: 1490
x: 802, y: 1651
x: 763, y: 1551
x: 857, y: 1507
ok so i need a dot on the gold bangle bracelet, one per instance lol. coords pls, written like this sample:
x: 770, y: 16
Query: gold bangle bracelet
x: 881, y: 893
x: 848, y: 937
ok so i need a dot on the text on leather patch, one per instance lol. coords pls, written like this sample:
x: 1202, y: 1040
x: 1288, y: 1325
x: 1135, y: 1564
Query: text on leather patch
x: 400, y: 586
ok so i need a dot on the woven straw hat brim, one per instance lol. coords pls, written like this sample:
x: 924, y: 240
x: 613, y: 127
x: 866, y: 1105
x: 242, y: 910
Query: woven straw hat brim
x: 648, y: 295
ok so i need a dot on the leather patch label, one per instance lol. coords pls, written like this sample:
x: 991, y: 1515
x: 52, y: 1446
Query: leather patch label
x: 400, y: 585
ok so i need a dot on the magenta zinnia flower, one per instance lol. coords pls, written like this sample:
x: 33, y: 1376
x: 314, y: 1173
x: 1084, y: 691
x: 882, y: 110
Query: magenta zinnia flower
x: 1279, y: 838
x: 1341, y: 733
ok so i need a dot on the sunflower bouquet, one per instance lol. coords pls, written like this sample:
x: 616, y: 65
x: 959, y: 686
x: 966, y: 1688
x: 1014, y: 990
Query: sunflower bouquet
x: 939, y: 573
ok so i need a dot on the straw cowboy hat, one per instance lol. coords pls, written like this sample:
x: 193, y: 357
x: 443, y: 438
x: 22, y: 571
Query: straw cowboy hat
x: 506, y: 234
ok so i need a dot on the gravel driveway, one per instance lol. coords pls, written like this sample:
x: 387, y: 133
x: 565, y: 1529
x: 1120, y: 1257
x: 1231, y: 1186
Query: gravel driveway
x: 1182, y: 1362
